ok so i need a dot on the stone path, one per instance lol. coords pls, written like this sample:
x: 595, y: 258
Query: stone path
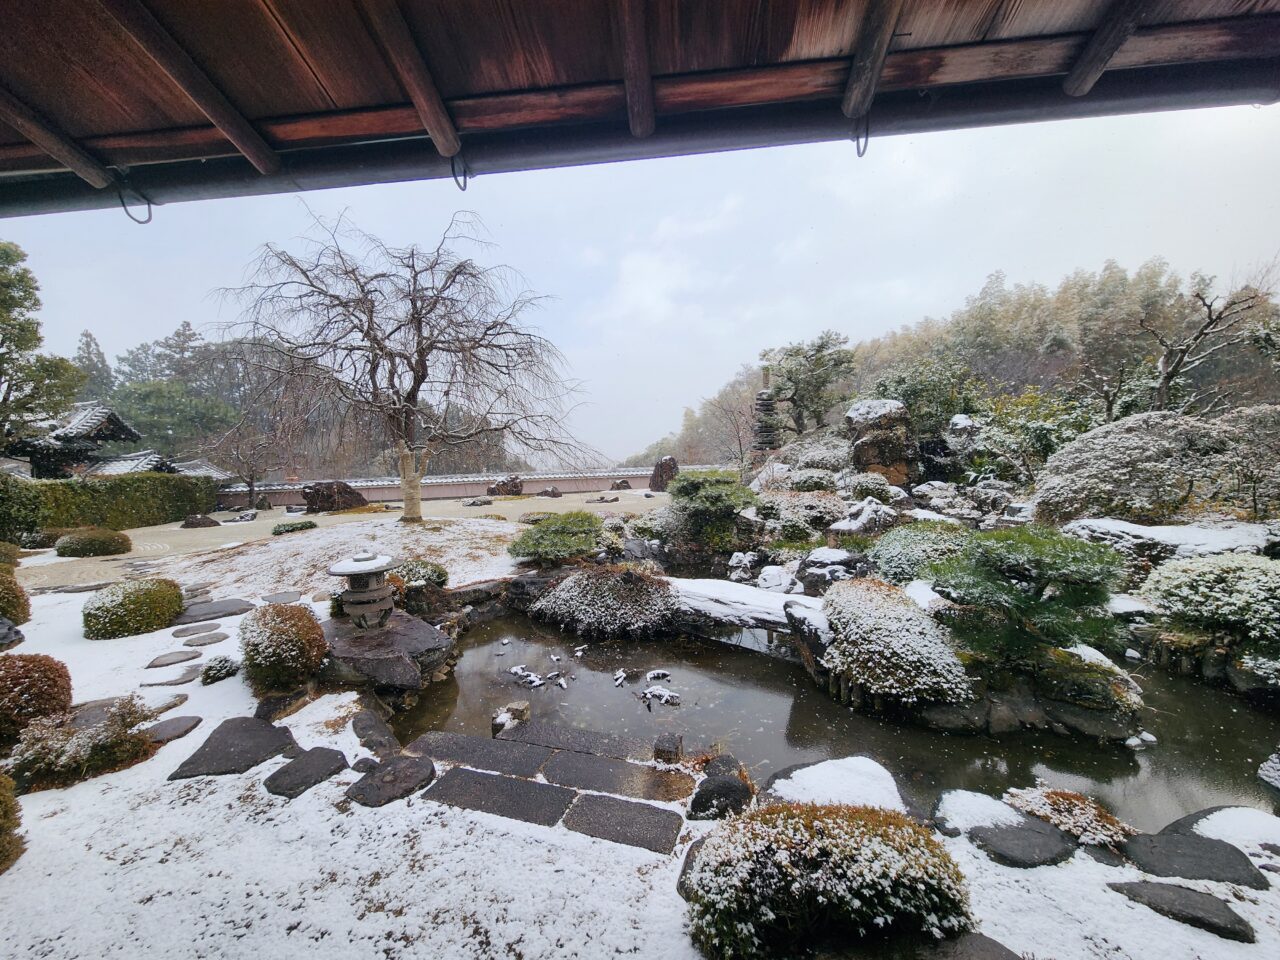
x: 212, y: 610
x: 579, y: 741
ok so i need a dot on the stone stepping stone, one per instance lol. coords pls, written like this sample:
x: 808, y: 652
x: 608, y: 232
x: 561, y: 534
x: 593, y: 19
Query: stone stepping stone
x: 173, y: 728
x: 236, y: 745
x: 718, y: 796
x: 625, y: 821
x: 526, y: 800
x: 176, y: 656
x: 606, y: 775
x: 177, y: 700
x: 196, y: 628
x: 186, y: 676
x: 212, y: 610
x: 1033, y: 843
x: 511, y: 757
x: 200, y: 586
x: 204, y: 640
x: 578, y: 741
x: 375, y: 735
x: 91, y: 712
x: 284, y: 596
x: 1188, y: 823
x: 397, y: 778
x: 304, y: 771
x: 320, y: 596
x: 967, y: 946
x: 1193, y: 857
x: 1191, y: 907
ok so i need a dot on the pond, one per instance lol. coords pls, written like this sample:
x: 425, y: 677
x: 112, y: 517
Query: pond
x: 766, y: 711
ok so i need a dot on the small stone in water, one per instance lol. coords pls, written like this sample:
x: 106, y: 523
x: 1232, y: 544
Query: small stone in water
x: 1132, y: 654
x: 1147, y: 736
x: 658, y: 675
x: 505, y: 641
x: 1134, y: 743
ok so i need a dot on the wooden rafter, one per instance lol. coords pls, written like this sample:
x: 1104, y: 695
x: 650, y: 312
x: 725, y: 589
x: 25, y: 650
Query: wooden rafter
x: 52, y: 141
x: 145, y: 30
x: 634, y: 29
x: 406, y: 60
x: 1118, y: 24
x: 875, y: 30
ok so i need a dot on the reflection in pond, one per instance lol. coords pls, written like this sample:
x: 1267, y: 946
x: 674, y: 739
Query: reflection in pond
x: 767, y: 712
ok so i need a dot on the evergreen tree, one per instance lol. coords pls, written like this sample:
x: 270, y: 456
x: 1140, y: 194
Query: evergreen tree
x: 99, y: 379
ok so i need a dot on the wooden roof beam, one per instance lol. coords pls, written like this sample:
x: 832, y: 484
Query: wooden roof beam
x: 875, y: 30
x: 145, y: 30
x: 638, y: 79
x: 406, y: 60
x: 53, y: 141
x: 1118, y: 24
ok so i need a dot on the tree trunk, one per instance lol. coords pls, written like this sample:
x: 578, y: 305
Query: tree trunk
x: 410, y: 486
x: 253, y: 498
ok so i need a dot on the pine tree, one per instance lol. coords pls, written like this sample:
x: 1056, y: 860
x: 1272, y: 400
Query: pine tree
x: 99, y: 379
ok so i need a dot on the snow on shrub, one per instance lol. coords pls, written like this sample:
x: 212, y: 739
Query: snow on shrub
x: 816, y: 510
x: 282, y: 645
x: 1236, y: 592
x: 562, y: 537
x: 818, y: 451
x: 417, y: 570
x: 32, y: 685
x: 132, y: 607
x: 11, y: 845
x: 890, y: 647
x: 610, y: 601
x: 52, y: 752
x: 1266, y: 668
x: 292, y: 526
x: 808, y: 480
x: 218, y: 669
x: 903, y: 552
x: 788, y: 875
x: 859, y: 486
x: 1082, y: 817
x: 534, y: 516
x: 14, y: 604
x: 92, y: 542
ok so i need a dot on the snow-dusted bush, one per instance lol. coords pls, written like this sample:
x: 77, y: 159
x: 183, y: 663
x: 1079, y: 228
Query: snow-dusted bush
x: 14, y: 604
x: 823, y: 450
x: 1266, y: 668
x: 1142, y: 467
x: 132, y: 607
x: 1236, y: 592
x: 788, y: 876
x: 419, y: 570
x: 218, y: 669
x: 11, y: 845
x: 292, y: 526
x: 1082, y: 817
x: 903, y: 552
x: 32, y: 685
x: 704, y: 509
x: 610, y: 601
x: 52, y: 752
x: 886, y: 644
x: 816, y: 510
x: 1248, y: 470
x: 282, y: 644
x: 9, y: 553
x: 810, y: 479
x: 559, y: 538
x: 92, y: 542
x: 859, y: 486
x: 654, y: 525
x: 534, y: 516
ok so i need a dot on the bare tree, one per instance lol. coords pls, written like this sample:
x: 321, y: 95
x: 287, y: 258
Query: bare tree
x: 733, y: 413
x: 428, y: 340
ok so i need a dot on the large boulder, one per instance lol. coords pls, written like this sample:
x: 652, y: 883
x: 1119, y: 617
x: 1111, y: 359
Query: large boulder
x: 195, y: 521
x: 327, y: 495
x: 10, y: 635
x: 867, y: 415
x: 664, y: 471
x: 882, y: 441
x: 509, y: 486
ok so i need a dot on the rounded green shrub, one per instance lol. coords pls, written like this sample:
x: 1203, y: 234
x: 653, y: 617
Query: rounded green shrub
x: 46, y: 537
x: 418, y: 570
x: 11, y: 845
x: 859, y: 486
x: 292, y: 526
x: 218, y: 668
x: 903, y: 552
x: 132, y: 607
x: 14, y: 604
x: 610, y: 601
x: 808, y: 480
x: 283, y: 646
x: 559, y: 538
x: 32, y: 685
x: 92, y: 542
x: 1233, y: 592
x: 790, y: 874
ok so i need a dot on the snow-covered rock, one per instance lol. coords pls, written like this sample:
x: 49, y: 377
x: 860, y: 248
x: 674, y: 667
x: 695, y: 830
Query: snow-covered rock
x: 1160, y: 543
x: 1269, y: 772
x: 875, y: 414
x: 857, y: 781
x: 964, y: 810
x: 1126, y: 606
x: 919, y: 513
x: 867, y: 517
x: 772, y: 476
x: 736, y: 603
x: 776, y: 579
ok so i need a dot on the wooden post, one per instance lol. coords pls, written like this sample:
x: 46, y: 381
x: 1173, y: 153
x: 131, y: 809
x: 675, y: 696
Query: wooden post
x: 52, y: 141
x: 875, y: 30
x: 1122, y: 18
x: 634, y: 30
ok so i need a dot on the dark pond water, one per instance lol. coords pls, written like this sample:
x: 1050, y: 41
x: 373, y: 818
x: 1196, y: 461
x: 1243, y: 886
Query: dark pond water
x: 767, y: 712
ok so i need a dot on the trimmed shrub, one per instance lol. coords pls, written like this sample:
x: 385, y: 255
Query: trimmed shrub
x: 51, y: 752
x: 46, y: 537
x: 9, y: 553
x: 19, y: 507
x: 535, y: 516
x: 821, y: 450
x: 125, y: 502
x: 283, y: 646
x: 704, y: 510
x: 417, y: 570
x: 791, y: 874
x: 11, y: 845
x: 32, y: 685
x: 1237, y: 593
x: 809, y: 480
x: 610, y: 601
x: 92, y: 542
x: 1020, y: 589
x: 1083, y: 817
x: 797, y: 512
x: 132, y: 607
x: 292, y: 526
x: 886, y: 644
x: 14, y: 604
x: 903, y: 552
x: 559, y: 538
x: 859, y: 486
x: 218, y: 668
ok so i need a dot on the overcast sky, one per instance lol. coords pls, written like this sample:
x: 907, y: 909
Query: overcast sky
x: 667, y: 275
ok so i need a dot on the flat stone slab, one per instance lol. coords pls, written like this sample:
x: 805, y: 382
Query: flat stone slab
x: 560, y: 737
x: 401, y: 654
x: 175, y: 701
x: 304, y: 771
x: 186, y: 676
x: 236, y: 745
x: 284, y: 596
x: 1193, y: 857
x: 967, y: 946
x: 1032, y: 843
x: 170, y: 729
x: 394, y: 779
x: 1191, y: 907
x: 607, y: 775
x: 196, y: 628
x: 204, y: 639
x: 375, y: 735
x: 91, y: 712
x: 625, y: 821
x: 511, y: 757
x: 212, y: 610
x: 525, y: 800
x: 176, y: 656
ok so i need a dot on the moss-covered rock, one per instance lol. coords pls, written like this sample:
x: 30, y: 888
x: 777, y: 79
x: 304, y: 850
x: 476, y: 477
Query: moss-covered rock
x: 132, y: 607
x: 32, y: 685
x: 92, y: 542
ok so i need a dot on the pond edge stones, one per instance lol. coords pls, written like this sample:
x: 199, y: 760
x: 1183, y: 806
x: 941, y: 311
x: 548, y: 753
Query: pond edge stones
x: 1191, y: 907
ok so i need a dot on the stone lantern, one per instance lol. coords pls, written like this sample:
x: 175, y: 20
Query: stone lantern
x: 368, y: 599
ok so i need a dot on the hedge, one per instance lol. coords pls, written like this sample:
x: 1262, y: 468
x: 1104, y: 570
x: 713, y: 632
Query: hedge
x: 19, y: 507
x: 121, y: 503
x: 292, y: 526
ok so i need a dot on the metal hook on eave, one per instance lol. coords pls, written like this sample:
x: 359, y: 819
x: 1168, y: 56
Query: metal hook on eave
x: 861, y: 138
x: 123, y: 184
x: 456, y: 161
